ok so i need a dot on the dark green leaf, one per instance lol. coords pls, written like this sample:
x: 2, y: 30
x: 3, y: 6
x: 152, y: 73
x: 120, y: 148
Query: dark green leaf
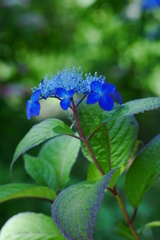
x: 61, y: 152
x: 41, y: 171
x: 40, y: 133
x: 128, y: 109
x: 30, y: 226
x: 75, y: 209
x: 122, y: 230
x: 117, y: 139
x: 13, y: 191
x: 143, y: 172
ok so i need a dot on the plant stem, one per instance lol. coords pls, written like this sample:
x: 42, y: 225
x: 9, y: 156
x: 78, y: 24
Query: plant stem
x: 80, y: 101
x: 91, y: 135
x: 115, y: 190
x: 125, y: 214
x: 134, y: 215
x: 85, y: 140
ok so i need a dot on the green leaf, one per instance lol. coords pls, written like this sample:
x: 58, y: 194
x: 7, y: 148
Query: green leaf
x: 41, y: 171
x: 120, y: 229
x: 149, y: 225
x: 128, y: 109
x: 12, y: 191
x: 30, y: 226
x: 116, y: 139
x: 40, y: 133
x: 61, y: 152
x: 143, y: 172
x: 75, y: 209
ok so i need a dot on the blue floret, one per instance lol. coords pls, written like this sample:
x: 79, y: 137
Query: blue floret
x: 101, y: 93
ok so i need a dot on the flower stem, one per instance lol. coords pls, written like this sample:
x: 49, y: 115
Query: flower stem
x: 115, y: 190
x: 134, y: 215
x: 85, y: 140
x: 125, y: 214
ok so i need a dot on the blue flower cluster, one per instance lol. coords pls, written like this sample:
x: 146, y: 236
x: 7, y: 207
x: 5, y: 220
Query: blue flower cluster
x: 69, y: 82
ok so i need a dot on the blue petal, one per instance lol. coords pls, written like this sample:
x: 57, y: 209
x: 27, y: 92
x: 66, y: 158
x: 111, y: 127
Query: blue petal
x: 117, y: 96
x: 35, y: 109
x: 106, y: 102
x: 108, y: 88
x: 36, y: 95
x: 61, y: 92
x: 65, y: 103
x: 96, y: 86
x: 93, y: 98
x: 28, y: 105
x: 70, y: 93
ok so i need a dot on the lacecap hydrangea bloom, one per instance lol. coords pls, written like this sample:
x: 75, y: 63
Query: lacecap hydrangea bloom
x: 65, y: 84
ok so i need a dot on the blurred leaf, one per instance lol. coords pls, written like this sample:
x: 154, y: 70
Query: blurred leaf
x: 149, y: 225
x: 119, y: 136
x: 13, y: 191
x: 40, y: 133
x: 75, y: 209
x: 122, y: 230
x: 41, y: 171
x: 143, y: 172
x: 29, y: 226
x: 128, y: 109
x: 61, y: 152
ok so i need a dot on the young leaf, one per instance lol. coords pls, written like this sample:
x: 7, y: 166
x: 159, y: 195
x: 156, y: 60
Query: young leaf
x: 116, y: 140
x: 120, y: 229
x: 13, y: 191
x: 75, y: 209
x: 41, y: 171
x: 61, y: 152
x: 29, y: 226
x: 128, y: 109
x: 143, y: 172
x: 40, y: 133
x: 149, y: 225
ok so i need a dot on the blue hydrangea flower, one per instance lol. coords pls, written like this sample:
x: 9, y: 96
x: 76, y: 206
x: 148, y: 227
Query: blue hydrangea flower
x: 33, y: 106
x: 65, y: 96
x: 69, y: 82
x: 150, y: 4
x: 101, y: 93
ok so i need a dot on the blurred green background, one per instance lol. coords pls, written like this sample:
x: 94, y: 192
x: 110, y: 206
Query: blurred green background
x: 115, y: 38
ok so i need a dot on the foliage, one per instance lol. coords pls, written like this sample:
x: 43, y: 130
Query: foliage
x: 118, y: 39
x: 110, y: 146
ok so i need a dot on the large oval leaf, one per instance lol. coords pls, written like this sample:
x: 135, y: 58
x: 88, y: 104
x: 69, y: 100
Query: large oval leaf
x: 128, y: 109
x: 12, y: 191
x: 30, y: 226
x: 75, y: 209
x: 61, y: 152
x: 143, y: 172
x: 41, y: 171
x: 116, y: 140
x: 41, y: 132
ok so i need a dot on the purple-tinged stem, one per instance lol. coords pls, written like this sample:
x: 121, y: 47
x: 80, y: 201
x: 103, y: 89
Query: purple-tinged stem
x: 134, y: 215
x: 85, y: 140
x: 80, y: 101
x: 91, y: 135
